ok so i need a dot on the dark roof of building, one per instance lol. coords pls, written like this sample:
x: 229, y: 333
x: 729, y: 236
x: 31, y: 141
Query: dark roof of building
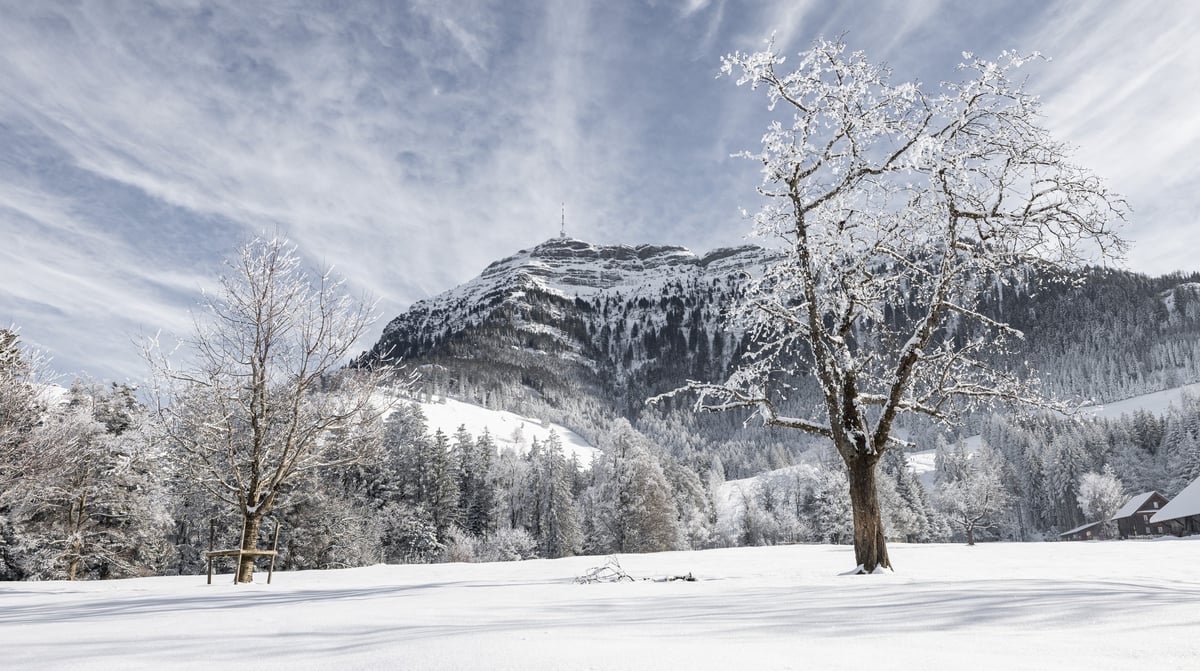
x: 1082, y: 527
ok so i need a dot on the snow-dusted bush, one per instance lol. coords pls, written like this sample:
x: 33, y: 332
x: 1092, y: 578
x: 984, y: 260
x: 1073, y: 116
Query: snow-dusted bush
x: 506, y: 544
x: 461, y: 546
x: 409, y: 535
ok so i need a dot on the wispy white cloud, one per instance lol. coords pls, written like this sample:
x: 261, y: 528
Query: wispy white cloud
x: 409, y: 144
x: 1123, y: 86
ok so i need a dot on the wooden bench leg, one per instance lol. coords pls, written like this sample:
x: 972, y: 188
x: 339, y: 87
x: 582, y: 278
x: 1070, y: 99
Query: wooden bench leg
x: 274, y: 554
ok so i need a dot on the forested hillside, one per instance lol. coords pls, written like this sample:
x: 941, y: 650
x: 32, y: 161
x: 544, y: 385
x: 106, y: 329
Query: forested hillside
x: 620, y: 324
x: 581, y: 335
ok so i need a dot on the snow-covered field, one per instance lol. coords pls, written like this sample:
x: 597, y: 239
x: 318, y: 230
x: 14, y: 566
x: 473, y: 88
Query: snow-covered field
x: 1099, y: 605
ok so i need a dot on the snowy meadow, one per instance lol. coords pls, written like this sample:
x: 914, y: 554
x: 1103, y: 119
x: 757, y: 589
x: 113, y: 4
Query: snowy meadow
x: 1097, y: 605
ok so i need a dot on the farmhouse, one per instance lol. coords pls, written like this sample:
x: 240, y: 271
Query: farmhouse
x: 1182, y: 515
x: 1133, y: 519
x: 1086, y: 532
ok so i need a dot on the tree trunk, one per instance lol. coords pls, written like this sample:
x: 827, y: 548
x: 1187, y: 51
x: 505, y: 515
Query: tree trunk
x: 249, y: 542
x: 870, y: 546
x: 970, y: 534
x: 73, y: 566
x: 76, y: 551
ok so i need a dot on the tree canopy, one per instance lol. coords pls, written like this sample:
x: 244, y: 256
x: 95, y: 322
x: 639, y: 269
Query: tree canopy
x: 894, y: 210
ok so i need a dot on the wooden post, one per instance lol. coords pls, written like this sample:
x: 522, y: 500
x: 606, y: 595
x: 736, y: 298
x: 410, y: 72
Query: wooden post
x: 238, y: 554
x: 274, y: 553
x: 238, y: 569
x: 212, y: 539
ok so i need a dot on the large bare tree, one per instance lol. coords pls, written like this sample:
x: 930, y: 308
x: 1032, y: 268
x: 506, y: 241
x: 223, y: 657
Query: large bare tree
x: 262, y: 398
x: 894, y: 210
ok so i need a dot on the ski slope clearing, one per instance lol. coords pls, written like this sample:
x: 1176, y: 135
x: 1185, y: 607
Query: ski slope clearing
x: 1101, y: 605
x: 508, y: 429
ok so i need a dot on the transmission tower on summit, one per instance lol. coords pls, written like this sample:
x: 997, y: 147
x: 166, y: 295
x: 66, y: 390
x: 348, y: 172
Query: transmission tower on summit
x: 562, y: 223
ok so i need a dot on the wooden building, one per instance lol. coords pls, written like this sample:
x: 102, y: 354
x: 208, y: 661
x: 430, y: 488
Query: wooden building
x: 1086, y: 532
x: 1182, y: 515
x: 1133, y: 519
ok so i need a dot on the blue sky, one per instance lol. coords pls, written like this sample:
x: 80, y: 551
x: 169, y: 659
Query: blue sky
x: 408, y: 144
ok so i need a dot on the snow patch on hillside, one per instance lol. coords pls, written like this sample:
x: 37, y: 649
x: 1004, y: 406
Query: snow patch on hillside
x: 729, y: 499
x: 1156, y: 403
x: 1187, y: 289
x: 508, y: 429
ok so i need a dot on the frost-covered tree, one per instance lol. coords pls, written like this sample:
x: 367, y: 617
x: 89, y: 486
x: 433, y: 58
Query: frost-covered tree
x: 1101, y: 495
x: 975, y: 498
x: 908, y: 514
x: 632, y: 504
x: 510, y: 476
x: 830, y: 507
x: 23, y: 449
x: 260, y: 401
x: 477, y: 492
x: 893, y: 209
x: 697, y: 516
x: 102, y: 511
x: 439, y: 484
x: 556, y: 522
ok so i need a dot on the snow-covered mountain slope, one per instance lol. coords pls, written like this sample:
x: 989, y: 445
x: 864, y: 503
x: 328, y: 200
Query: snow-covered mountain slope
x: 1155, y: 403
x: 620, y: 323
x: 566, y: 269
x: 567, y: 318
x: 508, y: 430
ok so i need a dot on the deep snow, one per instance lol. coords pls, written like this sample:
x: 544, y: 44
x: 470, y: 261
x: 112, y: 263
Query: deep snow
x: 1096, y: 606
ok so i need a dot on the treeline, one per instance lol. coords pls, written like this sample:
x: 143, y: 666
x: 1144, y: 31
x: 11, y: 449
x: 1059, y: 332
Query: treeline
x: 1043, y: 463
x: 89, y: 488
x: 90, y: 491
x: 84, y: 490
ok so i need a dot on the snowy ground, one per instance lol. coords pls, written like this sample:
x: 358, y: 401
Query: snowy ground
x: 1098, y: 605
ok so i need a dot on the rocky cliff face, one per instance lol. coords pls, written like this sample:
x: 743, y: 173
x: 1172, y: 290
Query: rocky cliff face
x: 619, y: 320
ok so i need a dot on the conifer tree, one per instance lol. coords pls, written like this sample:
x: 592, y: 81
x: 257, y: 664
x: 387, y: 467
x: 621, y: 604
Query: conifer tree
x: 556, y: 520
x: 635, y: 509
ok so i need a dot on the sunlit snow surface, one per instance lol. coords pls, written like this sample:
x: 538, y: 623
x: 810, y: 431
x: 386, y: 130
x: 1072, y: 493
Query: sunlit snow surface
x: 1116, y: 605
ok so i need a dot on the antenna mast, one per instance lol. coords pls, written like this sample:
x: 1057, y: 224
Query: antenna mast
x: 562, y: 230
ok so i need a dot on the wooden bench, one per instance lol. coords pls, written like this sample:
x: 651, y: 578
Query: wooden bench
x: 240, y: 553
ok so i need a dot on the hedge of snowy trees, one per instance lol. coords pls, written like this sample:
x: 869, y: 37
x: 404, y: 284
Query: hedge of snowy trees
x: 83, y: 490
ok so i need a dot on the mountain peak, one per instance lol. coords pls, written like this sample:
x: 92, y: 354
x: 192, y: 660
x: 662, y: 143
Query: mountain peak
x: 530, y: 290
x: 570, y: 266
